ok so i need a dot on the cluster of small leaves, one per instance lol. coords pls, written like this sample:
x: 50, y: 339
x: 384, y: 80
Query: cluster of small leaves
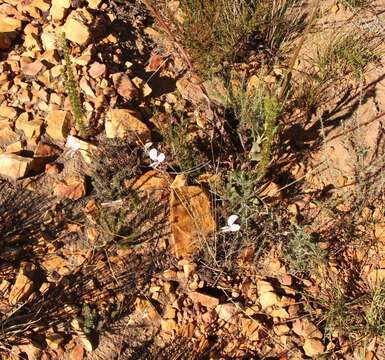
x: 91, y: 319
x: 302, y: 252
x: 178, y: 136
x: 116, y: 162
x: 271, y: 113
x: 71, y: 87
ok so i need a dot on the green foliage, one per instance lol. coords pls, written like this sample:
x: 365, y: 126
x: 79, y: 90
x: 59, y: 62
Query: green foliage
x: 247, y: 108
x: 375, y: 312
x: 72, y: 90
x: 122, y: 224
x: 339, y: 313
x: 359, y: 317
x: 302, y: 252
x: 115, y: 166
x: 348, y: 53
x: 215, y: 33
x: 355, y: 4
x: 180, y: 139
x: 240, y: 189
x: 271, y: 112
x: 91, y: 320
x: 256, y: 112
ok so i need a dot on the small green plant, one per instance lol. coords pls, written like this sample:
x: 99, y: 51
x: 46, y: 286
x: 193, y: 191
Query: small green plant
x: 360, y: 317
x: 302, y: 252
x: 375, y: 312
x: 91, y: 319
x: 271, y: 112
x: 180, y: 138
x: 256, y: 113
x: 349, y: 53
x: 341, y: 314
x: 355, y: 4
x: 71, y: 87
x: 246, y: 106
x: 240, y: 189
x: 216, y: 33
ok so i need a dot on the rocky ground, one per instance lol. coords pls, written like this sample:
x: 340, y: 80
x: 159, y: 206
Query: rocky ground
x: 113, y: 238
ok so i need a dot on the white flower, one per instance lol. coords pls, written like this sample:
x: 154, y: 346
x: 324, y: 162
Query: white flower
x: 73, y: 144
x: 156, y: 157
x: 231, y: 226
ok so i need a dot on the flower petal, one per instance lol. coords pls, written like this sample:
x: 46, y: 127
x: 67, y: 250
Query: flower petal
x: 235, y: 227
x: 161, y: 157
x: 155, y: 164
x: 147, y: 146
x: 232, y: 219
x: 72, y: 143
x: 153, y: 154
x: 225, y: 229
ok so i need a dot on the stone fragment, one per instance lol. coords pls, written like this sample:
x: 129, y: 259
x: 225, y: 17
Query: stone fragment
x: 5, y: 41
x: 268, y: 299
x: 58, y: 124
x: 73, y: 188
x: 57, y: 263
x: 208, y: 301
x: 280, y: 313
x: 124, y: 123
x: 190, y: 218
x: 31, y: 350
x: 15, y: 148
x: 14, y: 166
x: 87, y: 343
x: 189, y: 268
x: 250, y: 328
x: 31, y: 128
x: 49, y: 39
x: 54, y: 340
x: 190, y: 91
x: 33, y: 68
x: 94, y: 4
x: 124, y: 86
x: 376, y: 277
x: 52, y: 169
x: 313, y: 347
x: 77, y: 353
x: 76, y: 31
x: 58, y: 9
x: 7, y: 136
x: 264, y: 286
x: 23, y: 286
x: 143, y: 86
x: 96, y: 70
x: 306, y: 329
x: 228, y: 311
x: 168, y: 325
x: 85, y: 86
x: 85, y: 148
x: 9, y: 24
x: 179, y: 181
x: 271, y: 192
x: 281, y: 329
x: 151, y: 180
x: 379, y: 231
x: 8, y: 112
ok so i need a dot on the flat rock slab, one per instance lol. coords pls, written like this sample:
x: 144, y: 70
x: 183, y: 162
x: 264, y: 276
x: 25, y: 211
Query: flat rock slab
x: 190, y: 218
